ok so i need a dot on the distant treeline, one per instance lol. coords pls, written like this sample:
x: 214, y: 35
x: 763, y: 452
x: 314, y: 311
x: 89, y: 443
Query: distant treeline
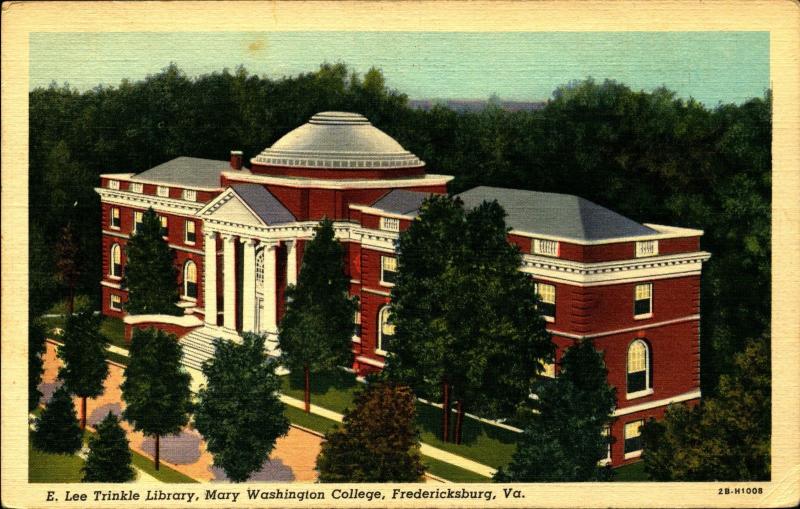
x: 648, y: 155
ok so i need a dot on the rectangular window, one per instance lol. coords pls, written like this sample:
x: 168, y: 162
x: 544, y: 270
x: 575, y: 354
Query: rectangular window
x: 137, y: 221
x: 115, y: 303
x: 545, y: 247
x: 137, y: 187
x: 390, y: 224
x: 162, y: 191
x: 646, y: 248
x: 633, y: 437
x: 191, y: 236
x: 606, y: 433
x: 164, y: 226
x: 643, y: 303
x: 357, y: 323
x: 547, y: 300
x: 113, y: 184
x: 549, y: 370
x: 388, y: 269
x: 114, y: 222
x: 190, y: 195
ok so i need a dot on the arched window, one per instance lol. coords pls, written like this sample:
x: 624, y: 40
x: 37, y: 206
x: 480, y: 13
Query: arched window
x: 638, y: 367
x: 190, y: 280
x: 115, y: 261
x: 385, y: 330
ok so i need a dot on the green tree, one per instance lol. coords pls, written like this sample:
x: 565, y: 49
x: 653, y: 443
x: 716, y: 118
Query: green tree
x: 150, y: 275
x: 36, y: 348
x: 725, y: 438
x: 483, y: 348
x: 84, y: 355
x: 156, y: 387
x: 317, y: 329
x: 57, y: 429
x: 238, y: 411
x: 109, y: 458
x: 379, y: 441
x: 68, y: 268
x: 564, y: 439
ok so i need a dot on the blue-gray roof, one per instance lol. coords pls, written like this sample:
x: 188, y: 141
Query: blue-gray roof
x: 263, y: 203
x: 400, y: 201
x: 558, y: 215
x: 186, y: 171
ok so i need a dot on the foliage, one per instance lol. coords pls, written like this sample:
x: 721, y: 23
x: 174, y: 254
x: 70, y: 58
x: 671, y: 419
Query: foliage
x: 156, y: 388
x: 238, y: 411
x: 68, y: 268
x: 564, y: 440
x: 150, y: 274
x: 57, y: 428
x: 488, y: 342
x: 726, y: 437
x: 378, y: 442
x: 109, y: 458
x: 36, y: 348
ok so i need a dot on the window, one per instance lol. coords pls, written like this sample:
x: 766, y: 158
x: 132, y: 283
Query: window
x: 646, y: 248
x: 357, y: 323
x: 638, y: 368
x: 113, y: 184
x: 545, y: 247
x: 547, y: 300
x: 643, y: 301
x: 390, y: 224
x: 115, y: 261
x: 191, y: 235
x: 162, y: 191
x: 164, y: 226
x: 549, y: 370
x: 388, y: 269
x: 137, y: 221
x: 385, y: 330
x: 190, y: 280
x: 137, y: 187
x: 114, y: 218
x: 633, y: 438
x: 190, y: 195
x: 115, y: 302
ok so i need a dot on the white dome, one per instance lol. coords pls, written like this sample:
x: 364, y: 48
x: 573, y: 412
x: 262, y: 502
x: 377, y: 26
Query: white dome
x: 335, y: 139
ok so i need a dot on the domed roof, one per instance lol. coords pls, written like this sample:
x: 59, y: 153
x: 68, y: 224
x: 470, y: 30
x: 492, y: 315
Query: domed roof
x: 335, y: 139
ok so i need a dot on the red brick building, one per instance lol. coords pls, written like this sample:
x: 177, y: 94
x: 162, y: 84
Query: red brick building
x: 239, y: 234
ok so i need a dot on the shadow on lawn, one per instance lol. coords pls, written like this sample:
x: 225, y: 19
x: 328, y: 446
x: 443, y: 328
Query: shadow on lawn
x: 324, y: 382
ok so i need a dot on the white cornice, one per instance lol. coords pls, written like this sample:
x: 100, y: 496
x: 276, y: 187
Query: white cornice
x: 643, y: 326
x: 664, y: 232
x: 298, y: 182
x: 378, y: 212
x: 131, y: 177
x: 159, y: 204
x: 686, y: 396
x: 117, y: 176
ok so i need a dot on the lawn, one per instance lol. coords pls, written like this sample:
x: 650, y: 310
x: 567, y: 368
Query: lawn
x: 163, y: 474
x: 631, y: 473
x: 112, y: 328
x: 333, y: 390
x: 52, y: 468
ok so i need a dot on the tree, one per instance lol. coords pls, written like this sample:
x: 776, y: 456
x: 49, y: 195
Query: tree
x: 379, y: 441
x: 467, y: 324
x: 57, y: 430
x: 156, y: 388
x: 36, y: 348
x: 150, y: 274
x: 564, y: 439
x: 68, y: 269
x: 726, y: 437
x: 109, y: 458
x: 317, y: 328
x: 238, y: 411
x: 84, y: 355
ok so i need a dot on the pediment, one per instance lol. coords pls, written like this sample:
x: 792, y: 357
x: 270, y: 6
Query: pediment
x: 230, y: 208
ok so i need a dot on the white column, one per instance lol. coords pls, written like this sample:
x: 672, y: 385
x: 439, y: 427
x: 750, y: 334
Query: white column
x: 291, y: 262
x: 229, y: 263
x: 270, y: 288
x: 210, y: 280
x: 249, y: 285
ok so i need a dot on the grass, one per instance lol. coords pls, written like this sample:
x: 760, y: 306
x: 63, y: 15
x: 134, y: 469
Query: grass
x: 163, y: 474
x: 310, y: 421
x: 333, y: 390
x: 451, y: 472
x: 114, y: 330
x: 52, y: 468
x: 633, y: 472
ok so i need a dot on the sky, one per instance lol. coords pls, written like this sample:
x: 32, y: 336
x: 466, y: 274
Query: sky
x: 711, y: 67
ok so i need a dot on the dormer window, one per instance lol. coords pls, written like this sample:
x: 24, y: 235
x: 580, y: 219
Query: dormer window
x: 545, y: 247
x: 190, y: 195
x: 646, y: 248
x: 137, y: 187
x: 162, y: 191
x: 113, y: 184
x: 390, y: 224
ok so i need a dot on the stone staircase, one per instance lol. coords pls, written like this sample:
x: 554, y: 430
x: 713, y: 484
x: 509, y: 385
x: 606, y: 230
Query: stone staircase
x: 198, y: 345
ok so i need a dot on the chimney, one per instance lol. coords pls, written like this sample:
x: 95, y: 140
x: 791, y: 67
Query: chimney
x: 236, y: 159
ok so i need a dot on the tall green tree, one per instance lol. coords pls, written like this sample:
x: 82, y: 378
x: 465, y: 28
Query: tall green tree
x: 564, y: 439
x: 150, y: 274
x: 467, y: 325
x: 84, y: 355
x: 156, y: 387
x: 726, y: 437
x: 68, y: 266
x: 238, y: 411
x: 317, y: 328
x: 36, y: 348
x: 109, y: 458
x: 57, y: 429
x: 379, y: 441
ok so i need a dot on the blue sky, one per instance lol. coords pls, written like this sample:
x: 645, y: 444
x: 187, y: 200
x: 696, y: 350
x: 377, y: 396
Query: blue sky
x: 712, y: 67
